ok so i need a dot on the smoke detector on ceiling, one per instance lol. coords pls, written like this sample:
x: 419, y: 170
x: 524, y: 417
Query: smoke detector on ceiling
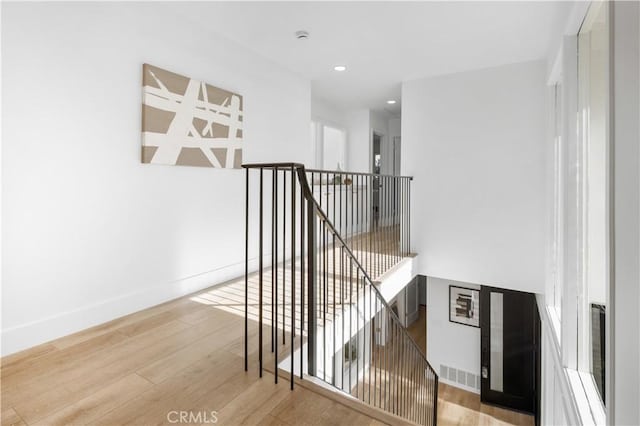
x: 302, y: 35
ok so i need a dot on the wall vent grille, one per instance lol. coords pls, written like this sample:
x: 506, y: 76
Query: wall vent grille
x: 462, y: 377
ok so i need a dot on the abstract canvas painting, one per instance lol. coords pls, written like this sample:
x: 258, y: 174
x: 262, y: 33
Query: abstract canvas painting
x: 464, y: 306
x: 188, y: 122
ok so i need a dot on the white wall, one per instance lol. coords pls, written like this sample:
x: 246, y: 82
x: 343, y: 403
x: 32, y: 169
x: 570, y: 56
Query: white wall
x: 624, y: 296
x: 358, y: 141
x: 448, y: 343
x: 474, y: 143
x: 379, y: 122
x: 361, y: 124
x: 380, y: 125
x: 395, y: 127
x: 1, y: 180
x: 327, y: 113
x: 90, y: 233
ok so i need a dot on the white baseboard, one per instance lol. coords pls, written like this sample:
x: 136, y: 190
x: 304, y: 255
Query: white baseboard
x: 24, y: 336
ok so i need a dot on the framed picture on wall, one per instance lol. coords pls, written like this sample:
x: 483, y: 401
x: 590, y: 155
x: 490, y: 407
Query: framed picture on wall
x: 186, y: 122
x: 464, y: 306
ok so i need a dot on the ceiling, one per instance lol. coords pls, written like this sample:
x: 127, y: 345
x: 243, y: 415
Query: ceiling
x: 385, y: 43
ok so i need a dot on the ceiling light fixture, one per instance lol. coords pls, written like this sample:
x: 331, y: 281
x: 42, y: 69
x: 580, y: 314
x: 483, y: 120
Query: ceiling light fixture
x: 302, y: 35
x: 340, y: 68
x: 391, y: 101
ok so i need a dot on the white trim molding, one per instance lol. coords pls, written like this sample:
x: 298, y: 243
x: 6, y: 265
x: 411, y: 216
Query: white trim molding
x: 27, y: 335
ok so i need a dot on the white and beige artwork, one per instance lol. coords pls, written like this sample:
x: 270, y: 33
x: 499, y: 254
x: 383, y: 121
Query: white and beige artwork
x: 188, y: 122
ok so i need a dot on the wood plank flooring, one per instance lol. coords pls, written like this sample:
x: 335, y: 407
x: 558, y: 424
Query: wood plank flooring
x: 185, y: 355
x: 418, y: 330
x: 459, y: 407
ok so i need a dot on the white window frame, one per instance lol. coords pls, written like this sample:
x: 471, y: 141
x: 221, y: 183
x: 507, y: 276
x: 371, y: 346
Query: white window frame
x: 568, y: 250
x: 570, y: 234
x: 583, y: 332
x: 555, y: 279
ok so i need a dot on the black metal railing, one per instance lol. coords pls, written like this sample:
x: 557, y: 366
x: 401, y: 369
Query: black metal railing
x: 371, y: 213
x: 323, y: 300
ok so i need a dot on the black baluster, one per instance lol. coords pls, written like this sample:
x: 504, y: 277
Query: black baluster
x: 342, y: 285
x: 333, y: 364
x: 284, y: 252
x: 352, y: 209
x: 260, y: 277
x: 356, y: 247
x: 369, y: 223
x: 435, y: 399
x: 386, y: 359
x: 311, y: 288
x: 395, y: 358
x: 350, y: 318
x: 324, y: 298
x: 302, y: 274
x: 293, y: 271
x: 409, y: 219
x: 273, y: 219
x: 371, y: 345
x: 357, y: 331
x: 246, y: 272
x: 275, y: 274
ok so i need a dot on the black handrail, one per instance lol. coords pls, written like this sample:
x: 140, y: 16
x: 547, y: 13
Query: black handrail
x: 302, y: 178
x: 378, y: 202
x: 279, y: 166
x: 288, y: 166
x: 424, y: 384
x: 343, y: 172
x: 309, y: 195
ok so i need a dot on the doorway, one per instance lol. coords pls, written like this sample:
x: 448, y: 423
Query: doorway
x: 510, y: 343
x: 376, y: 167
x: 396, y: 155
x: 415, y: 296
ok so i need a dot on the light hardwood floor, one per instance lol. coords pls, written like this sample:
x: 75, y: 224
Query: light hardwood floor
x: 418, y: 330
x: 459, y: 407
x: 181, y: 356
x: 185, y: 355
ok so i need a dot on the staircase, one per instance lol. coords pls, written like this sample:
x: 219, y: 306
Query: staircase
x: 319, y: 241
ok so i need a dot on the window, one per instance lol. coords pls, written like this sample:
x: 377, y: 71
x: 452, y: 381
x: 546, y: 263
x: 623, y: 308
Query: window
x: 577, y: 290
x: 555, y: 292
x: 593, y: 170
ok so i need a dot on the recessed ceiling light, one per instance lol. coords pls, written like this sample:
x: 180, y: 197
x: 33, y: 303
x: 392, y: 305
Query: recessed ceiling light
x: 391, y: 101
x: 340, y: 68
